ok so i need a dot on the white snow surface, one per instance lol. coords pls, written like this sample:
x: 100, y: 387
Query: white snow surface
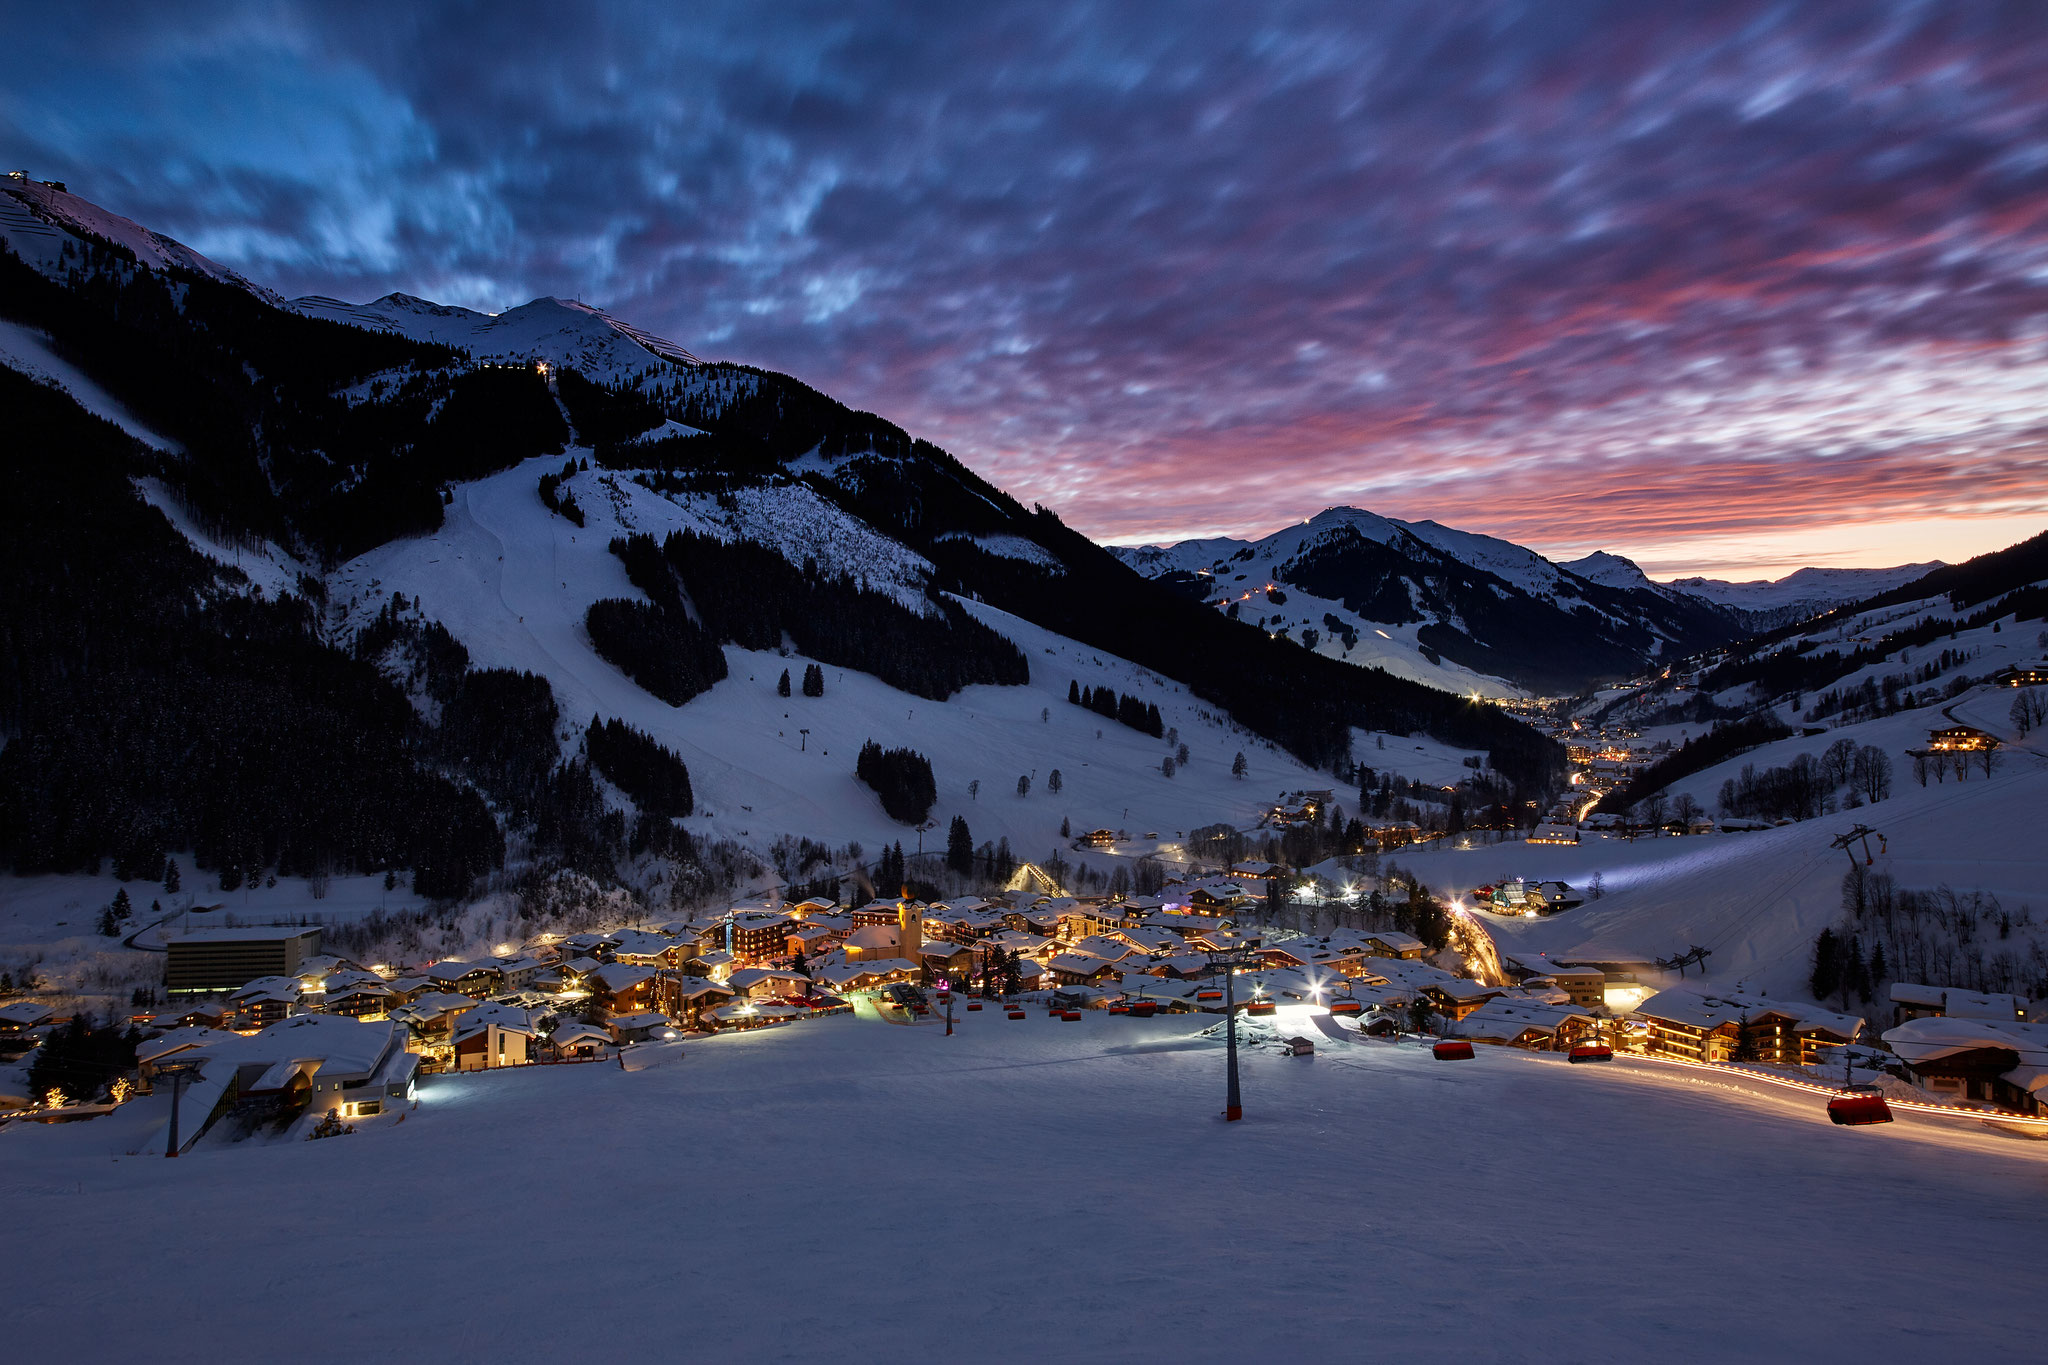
x: 1043, y: 1186
x: 513, y: 582
x: 559, y: 331
x: 34, y: 219
x: 29, y: 351
x: 1757, y: 899
x: 1818, y: 588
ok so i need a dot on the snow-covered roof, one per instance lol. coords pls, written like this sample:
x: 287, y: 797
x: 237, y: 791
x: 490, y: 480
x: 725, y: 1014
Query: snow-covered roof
x: 574, y: 1031
x: 24, y: 1013
x: 1934, y: 1037
x: 506, y: 1018
x: 621, y: 976
x: 1510, y: 1019
x: 1702, y: 1010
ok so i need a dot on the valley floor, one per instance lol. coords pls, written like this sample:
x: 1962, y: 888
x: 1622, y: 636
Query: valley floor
x: 839, y: 1189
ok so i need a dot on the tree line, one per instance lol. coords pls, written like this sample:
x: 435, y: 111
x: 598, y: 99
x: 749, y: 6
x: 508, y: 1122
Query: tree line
x: 1107, y: 702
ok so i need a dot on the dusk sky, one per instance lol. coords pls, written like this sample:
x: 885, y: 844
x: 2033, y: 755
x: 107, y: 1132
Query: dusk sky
x: 1727, y: 288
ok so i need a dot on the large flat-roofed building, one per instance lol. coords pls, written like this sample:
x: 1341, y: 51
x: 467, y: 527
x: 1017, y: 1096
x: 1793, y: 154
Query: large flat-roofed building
x: 202, y: 961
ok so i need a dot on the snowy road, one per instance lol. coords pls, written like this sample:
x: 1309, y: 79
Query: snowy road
x: 1053, y: 1188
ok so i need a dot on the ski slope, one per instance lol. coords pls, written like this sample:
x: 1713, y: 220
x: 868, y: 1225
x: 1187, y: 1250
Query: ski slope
x: 876, y: 1183
x: 1758, y: 899
x: 513, y: 582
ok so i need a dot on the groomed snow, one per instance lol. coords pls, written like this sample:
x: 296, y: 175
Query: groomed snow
x: 513, y: 582
x: 841, y: 1190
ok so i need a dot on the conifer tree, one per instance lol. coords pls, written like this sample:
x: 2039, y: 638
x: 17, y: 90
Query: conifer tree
x: 782, y: 684
x: 814, y: 681
x: 959, y: 847
x: 171, y: 878
x: 1237, y: 766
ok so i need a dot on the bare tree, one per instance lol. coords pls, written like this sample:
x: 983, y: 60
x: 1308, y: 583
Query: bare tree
x: 1871, y: 773
x: 1838, y: 760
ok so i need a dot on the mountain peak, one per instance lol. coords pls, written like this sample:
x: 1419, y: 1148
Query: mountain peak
x: 1609, y: 570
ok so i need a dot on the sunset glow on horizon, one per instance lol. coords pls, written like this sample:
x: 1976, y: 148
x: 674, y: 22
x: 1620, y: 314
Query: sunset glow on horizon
x: 1729, y: 289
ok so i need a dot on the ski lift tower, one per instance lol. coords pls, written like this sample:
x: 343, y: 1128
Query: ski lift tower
x: 1230, y: 961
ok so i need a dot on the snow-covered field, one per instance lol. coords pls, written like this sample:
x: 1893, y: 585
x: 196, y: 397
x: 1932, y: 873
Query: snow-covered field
x: 1758, y: 899
x: 846, y: 1190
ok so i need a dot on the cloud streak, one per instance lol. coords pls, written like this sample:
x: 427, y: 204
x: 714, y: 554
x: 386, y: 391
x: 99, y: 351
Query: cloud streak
x: 1581, y: 274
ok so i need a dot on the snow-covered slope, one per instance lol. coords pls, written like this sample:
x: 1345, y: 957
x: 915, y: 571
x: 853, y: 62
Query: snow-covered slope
x: 1483, y: 1175
x: 34, y: 219
x: 1450, y: 608
x: 1758, y: 899
x: 513, y: 582
x: 1807, y: 592
x: 559, y: 331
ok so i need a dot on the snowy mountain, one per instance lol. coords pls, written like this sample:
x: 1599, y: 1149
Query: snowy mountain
x: 43, y: 225
x: 559, y: 331
x: 1446, y: 607
x: 334, y: 587
x: 1802, y: 594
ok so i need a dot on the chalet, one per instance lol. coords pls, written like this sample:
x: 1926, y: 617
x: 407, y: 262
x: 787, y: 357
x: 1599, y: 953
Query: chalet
x: 466, y: 978
x: 766, y: 983
x: 1257, y: 871
x: 875, y: 912
x: 1526, y: 1024
x: 1694, y: 1026
x: 1961, y: 739
x: 1585, y: 986
x: 575, y: 1040
x: 814, y: 938
x: 865, y: 975
x: 493, y: 1036
x: 760, y: 935
x: 622, y: 987
x: 1998, y: 1062
x: 1100, y: 838
x: 265, y: 1001
x: 684, y: 998
x: 370, y: 999
x: 1391, y: 943
x: 1396, y: 834
x: 587, y: 945
x: 643, y: 949
x: 205, y: 1015
x: 1457, y: 997
x: 2025, y: 675
x: 1911, y: 1001
x: 950, y: 960
x: 1216, y: 896
x: 518, y: 972
x: 22, y: 1015
x: 643, y: 1027
x: 1082, y: 969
